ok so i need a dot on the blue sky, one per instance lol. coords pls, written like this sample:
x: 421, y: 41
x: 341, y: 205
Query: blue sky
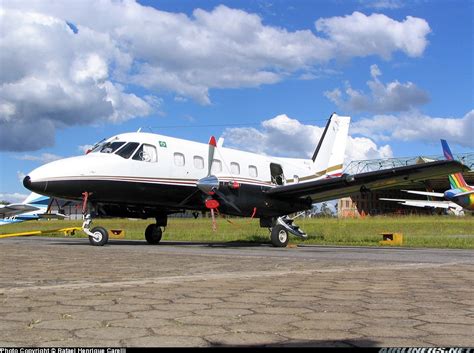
x: 266, y: 74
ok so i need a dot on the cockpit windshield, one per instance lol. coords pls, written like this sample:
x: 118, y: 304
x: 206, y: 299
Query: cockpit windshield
x: 146, y: 152
x: 97, y: 146
x: 127, y: 150
x: 111, y: 147
x: 107, y: 146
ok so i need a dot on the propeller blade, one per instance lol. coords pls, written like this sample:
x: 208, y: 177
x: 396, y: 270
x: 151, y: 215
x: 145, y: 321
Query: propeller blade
x: 212, y: 148
x: 185, y: 201
x: 227, y: 201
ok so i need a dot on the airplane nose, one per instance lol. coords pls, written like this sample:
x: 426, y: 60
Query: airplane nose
x: 27, y: 182
x: 38, y: 187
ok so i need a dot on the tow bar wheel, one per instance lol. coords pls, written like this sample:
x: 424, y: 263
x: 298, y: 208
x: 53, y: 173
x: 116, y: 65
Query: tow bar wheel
x: 100, y: 236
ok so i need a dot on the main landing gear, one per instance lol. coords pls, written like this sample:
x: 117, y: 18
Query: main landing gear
x: 153, y: 232
x: 282, y: 228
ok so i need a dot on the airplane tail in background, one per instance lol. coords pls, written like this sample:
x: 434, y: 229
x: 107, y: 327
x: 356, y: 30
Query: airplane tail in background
x: 37, y: 200
x: 328, y: 158
x: 455, y: 180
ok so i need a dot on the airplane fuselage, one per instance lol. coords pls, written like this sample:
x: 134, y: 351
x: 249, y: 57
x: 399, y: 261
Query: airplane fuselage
x: 146, y: 174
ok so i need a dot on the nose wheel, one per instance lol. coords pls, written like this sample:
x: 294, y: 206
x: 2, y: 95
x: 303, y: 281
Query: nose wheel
x: 99, y: 236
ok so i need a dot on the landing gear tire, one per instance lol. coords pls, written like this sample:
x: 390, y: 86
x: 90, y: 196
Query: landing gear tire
x: 153, y: 234
x: 279, y: 236
x: 100, y: 238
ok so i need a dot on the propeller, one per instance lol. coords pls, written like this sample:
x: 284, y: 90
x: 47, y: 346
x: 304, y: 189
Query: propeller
x: 209, y: 185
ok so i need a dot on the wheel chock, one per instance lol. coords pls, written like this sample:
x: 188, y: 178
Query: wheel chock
x: 116, y: 233
x: 391, y: 239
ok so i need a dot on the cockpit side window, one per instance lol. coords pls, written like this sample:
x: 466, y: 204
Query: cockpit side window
x: 146, y: 153
x: 111, y: 147
x: 127, y: 150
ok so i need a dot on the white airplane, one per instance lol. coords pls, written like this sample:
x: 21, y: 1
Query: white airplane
x: 34, y: 207
x: 458, y: 198
x: 144, y: 175
x: 449, y: 206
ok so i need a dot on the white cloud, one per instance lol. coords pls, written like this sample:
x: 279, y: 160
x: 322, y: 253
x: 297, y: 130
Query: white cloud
x: 68, y: 64
x: 383, y: 98
x: 286, y: 137
x: 13, y: 197
x: 20, y: 175
x: 377, y: 34
x: 84, y: 148
x: 43, y: 157
x: 415, y: 126
x: 382, y: 4
x: 53, y: 78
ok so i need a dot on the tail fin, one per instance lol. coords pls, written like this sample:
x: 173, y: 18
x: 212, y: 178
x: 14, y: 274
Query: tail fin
x: 37, y: 200
x: 455, y: 180
x: 328, y: 157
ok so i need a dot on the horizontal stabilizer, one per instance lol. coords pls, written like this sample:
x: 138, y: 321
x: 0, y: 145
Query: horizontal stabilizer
x: 52, y: 215
x: 425, y: 193
x: 15, y: 209
x: 464, y: 193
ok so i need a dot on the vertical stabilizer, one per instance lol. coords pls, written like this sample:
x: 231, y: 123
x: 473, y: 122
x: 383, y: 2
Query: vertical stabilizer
x: 37, y: 200
x: 328, y: 157
x: 455, y: 180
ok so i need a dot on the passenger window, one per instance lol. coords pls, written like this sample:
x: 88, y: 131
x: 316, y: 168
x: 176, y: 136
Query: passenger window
x: 253, y: 171
x: 198, y: 162
x: 111, y: 147
x: 216, y: 166
x: 146, y: 153
x: 179, y: 159
x: 127, y: 150
x: 234, y: 168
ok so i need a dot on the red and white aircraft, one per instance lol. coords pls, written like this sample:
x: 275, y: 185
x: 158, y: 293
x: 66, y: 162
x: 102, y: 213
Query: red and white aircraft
x: 144, y: 175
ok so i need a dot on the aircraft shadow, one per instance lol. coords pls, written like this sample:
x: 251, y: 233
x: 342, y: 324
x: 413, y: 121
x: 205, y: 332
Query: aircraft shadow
x: 350, y: 343
x: 115, y: 242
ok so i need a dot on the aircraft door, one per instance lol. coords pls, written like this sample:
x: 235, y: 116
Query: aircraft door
x: 276, y: 172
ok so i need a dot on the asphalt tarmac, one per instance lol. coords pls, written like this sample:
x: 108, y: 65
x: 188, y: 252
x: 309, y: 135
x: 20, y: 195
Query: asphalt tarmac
x: 63, y: 292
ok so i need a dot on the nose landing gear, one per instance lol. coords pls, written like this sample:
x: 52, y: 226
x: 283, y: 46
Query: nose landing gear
x: 98, y: 236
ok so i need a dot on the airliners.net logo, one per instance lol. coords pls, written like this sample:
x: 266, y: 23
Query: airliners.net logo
x: 426, y: 350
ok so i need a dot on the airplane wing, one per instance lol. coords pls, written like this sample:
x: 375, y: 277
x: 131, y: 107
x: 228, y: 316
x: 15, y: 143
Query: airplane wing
x: 424, y: 203
x: 52, y: 215
x: 333, y: 188
x: 15, y: 209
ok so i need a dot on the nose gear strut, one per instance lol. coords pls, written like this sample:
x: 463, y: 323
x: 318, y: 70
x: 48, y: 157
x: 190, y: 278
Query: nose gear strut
x: 97, y: 236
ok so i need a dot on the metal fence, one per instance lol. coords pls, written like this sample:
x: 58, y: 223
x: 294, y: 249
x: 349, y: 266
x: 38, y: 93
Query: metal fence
x: 356, y: 167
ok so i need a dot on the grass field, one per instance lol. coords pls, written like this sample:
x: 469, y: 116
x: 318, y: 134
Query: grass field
x: 427, y: 231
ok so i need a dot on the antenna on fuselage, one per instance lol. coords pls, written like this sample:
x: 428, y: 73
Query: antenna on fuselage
x: 139, y: 129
